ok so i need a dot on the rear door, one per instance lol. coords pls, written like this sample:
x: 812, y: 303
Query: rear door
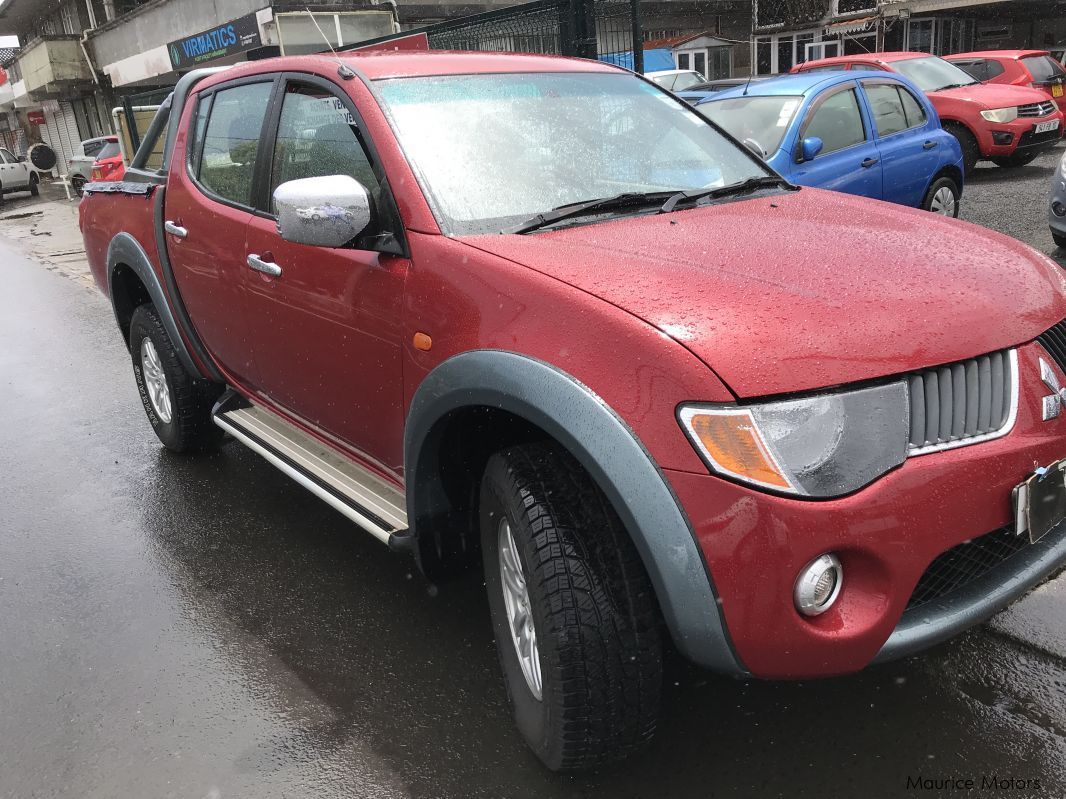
x: 909, y: 149
x: 327, y: 329
x: 849, y: 160
x: 208, y: 206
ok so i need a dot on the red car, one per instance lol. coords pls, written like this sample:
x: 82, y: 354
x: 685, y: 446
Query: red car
x: 109, y: 165
x: 1008, y: 125
x: 1034, y: 68
x: 538, y: 316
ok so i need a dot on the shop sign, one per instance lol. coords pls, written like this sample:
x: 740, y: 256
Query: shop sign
x: 231, y: 37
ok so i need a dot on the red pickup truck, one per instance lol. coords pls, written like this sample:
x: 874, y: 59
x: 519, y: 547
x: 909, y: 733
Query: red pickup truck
x: 537, y: 313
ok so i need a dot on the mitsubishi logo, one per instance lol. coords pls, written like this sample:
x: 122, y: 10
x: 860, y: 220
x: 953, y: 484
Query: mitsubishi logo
x: 1053, y: 403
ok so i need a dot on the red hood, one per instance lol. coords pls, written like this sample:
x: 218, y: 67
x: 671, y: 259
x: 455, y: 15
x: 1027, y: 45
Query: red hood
x: 807, y: 290
x: 993, y: 95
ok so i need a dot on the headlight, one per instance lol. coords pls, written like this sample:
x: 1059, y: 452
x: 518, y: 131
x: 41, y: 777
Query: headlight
x: 1001, y: 115
x: 820, y: 446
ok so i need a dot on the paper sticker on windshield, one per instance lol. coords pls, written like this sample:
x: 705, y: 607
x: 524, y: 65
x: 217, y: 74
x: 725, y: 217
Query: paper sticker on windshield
x: 787, y: 110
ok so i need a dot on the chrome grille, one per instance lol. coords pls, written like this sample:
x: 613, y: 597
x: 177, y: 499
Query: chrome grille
x: 1036, y: 109
x: 963, y: 403
x: 1054, y: 341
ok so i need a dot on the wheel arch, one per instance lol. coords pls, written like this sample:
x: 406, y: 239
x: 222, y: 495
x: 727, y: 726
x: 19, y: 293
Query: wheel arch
x: 948, y: 171
x: 131, y: 281
x: 503, y: 398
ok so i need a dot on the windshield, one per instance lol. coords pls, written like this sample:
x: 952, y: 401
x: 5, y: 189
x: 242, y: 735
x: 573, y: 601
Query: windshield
x: 762, y: 120
x: 932, y: 73
x: 1043, y: 68
x: 686, y: 80
x: 491, y: 151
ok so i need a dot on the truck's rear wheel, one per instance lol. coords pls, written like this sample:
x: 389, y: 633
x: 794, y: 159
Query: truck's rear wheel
x: 576, y: 621
x: 178, y: 407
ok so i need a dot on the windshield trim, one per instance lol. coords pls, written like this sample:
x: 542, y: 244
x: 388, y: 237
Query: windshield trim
x: 447, y: 226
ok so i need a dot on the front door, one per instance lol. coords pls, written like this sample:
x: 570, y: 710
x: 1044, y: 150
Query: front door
x: 848, y: 160
x: 13, y: 173
x: 208, y: 206
x: 327, y: 329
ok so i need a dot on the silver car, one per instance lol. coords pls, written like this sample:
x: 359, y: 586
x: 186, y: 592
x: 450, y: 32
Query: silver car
x: 80, y: 167
x: 1057, y: 211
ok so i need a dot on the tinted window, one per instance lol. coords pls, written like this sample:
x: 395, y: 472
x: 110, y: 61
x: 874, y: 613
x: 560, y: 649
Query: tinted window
x: 837, y: 122
x: 976, y: 69
x: 109, y: 150
x: 993, y: 69
x: 227, y: 162
x: 912, y: 108
x: 1042, y: 68
x: 316, y: 137
x: 92, y: 148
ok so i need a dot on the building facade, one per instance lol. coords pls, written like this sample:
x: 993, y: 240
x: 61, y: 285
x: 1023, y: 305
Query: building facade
x: 788, y: 32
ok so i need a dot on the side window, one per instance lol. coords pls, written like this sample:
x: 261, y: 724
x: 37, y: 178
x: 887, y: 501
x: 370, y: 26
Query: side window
x: 976, y: 69
x: 317, y: 136
x: 92, y: 148
x: 993, y: 69
x: 837, y: 122
x: 8, y: 157
x: 228, y: 151
x: 888, y: 113
x: 912, y: 108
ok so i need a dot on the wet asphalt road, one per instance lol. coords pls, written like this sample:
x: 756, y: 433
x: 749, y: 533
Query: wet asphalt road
x: 202, y: 627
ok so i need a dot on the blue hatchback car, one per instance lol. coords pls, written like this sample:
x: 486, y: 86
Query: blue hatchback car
x: 860, y: 132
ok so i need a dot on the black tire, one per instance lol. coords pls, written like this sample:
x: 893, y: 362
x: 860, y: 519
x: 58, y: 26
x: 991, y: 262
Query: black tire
x: 938, y: 186
x: 190, y: 427
x: 593, y: 609
x: 1015, y: 161
x: 1060, y: 238
x: 968, y: 142
x: 35, y: 185
x: 78, y: 184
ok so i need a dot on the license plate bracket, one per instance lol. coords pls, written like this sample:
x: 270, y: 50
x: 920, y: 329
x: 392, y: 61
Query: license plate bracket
x: 1044, y: 127
x: 1040, y: 501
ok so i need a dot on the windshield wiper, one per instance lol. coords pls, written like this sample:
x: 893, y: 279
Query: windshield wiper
x: 732, y: 190
x: 956, y: 86
x: 629, y: 199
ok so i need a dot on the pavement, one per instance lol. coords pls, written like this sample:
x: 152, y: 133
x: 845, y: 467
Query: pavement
x: 201, y: 627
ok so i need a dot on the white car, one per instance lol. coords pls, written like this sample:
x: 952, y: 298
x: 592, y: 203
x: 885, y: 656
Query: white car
x: 676, y: 80
x: 16, y: 174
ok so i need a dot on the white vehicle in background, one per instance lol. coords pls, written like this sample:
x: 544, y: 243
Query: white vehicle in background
x: 17, y: 174
x: 80, y: 167
x: 675, y: 80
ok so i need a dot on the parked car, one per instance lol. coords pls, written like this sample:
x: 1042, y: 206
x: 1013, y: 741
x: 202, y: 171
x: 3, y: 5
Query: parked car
x: 866, y: 133
x: 1057, y: 209
x: 17, y: 174
x: 675, y: 80
x: 109, y: 164
x: 569, y: 332
x: 80, y: 167
x: 1033, y: 68
x: 701, y: 91
x: 1008, y: 125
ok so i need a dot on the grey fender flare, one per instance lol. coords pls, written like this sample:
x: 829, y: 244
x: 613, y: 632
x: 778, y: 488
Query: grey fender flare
x: 579, y: 420
x: 126, y: 251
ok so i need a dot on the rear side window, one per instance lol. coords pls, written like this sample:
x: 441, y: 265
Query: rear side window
x: 912, y: 108
x: 92, y: 148
x: 1043, y: 68
x: 889, y: 116
x: 837, y: 122
x: 227, y: 154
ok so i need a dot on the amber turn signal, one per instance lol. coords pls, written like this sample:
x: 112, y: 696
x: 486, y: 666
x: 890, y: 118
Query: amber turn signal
x: 733, y: 444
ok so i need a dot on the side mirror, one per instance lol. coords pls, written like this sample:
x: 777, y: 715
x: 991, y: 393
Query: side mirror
x: 810, y: 148
x: 22, y: 159
x: 326, y: 211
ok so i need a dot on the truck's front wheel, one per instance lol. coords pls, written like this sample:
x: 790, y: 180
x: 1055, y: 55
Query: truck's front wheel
x: 178, y: 407
x: 576, y: 621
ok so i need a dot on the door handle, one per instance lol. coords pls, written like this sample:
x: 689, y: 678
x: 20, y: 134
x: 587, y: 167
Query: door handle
x: 869, y: 162
x: 175, y: 230
x: 266, y: 267
x: 929, y: 145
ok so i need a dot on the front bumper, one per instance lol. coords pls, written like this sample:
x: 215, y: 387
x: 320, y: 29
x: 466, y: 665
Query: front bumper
x: 886, y: 536
x: 1020, y: 136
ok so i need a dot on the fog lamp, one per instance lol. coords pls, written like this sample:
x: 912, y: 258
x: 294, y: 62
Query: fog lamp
x: 818, y: 585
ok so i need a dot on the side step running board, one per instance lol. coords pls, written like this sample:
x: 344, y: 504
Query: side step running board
x: 370, y: 502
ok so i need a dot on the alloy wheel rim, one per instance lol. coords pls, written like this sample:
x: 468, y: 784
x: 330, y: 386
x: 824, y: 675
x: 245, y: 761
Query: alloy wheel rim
x: 943, y: 202
x: 516, y: 604
x: 155, y: 380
